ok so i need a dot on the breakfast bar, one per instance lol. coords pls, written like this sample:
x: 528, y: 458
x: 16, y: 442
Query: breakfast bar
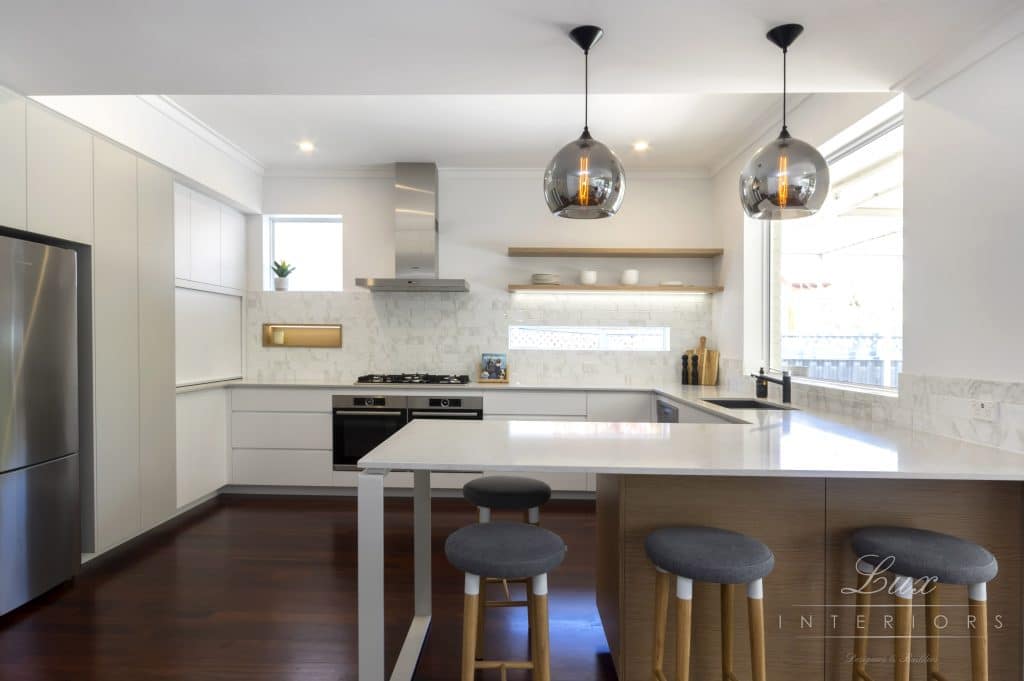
x: 799, y: 482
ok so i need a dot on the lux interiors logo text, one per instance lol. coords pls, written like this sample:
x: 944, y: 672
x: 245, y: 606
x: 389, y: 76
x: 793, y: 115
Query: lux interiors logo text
x: 848, y: 620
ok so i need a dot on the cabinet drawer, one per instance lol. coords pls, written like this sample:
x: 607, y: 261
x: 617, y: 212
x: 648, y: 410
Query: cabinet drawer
x: 269, y: 430
x: 281, y: 399
x: 281, y: 467
x: 537, y: 402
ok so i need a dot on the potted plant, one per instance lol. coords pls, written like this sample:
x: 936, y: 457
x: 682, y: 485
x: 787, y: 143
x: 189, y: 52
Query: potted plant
x: 281, y: 270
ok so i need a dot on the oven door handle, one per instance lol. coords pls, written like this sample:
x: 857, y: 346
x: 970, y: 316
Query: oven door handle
x: 345, y: 412
x: 446, y: 414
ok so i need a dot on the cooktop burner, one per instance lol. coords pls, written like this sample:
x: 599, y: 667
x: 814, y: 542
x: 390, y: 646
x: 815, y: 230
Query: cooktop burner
x: 438, y: 379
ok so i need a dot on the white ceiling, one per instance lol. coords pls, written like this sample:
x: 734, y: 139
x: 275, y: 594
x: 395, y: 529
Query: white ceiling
x: 479, y: 131
x: 468, y: 46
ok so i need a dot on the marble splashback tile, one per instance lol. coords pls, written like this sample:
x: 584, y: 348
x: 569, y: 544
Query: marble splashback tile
x: 442, y: 332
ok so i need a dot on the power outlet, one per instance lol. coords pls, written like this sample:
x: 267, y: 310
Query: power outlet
x: 984, y: 410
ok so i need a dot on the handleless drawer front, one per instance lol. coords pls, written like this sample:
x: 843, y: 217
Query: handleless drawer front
x: 537, y: 402
x: 281, y: 467
x: 277, y: 430
x: 281, y: 399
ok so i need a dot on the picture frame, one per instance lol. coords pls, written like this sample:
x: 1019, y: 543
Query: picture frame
x: 493, y: 368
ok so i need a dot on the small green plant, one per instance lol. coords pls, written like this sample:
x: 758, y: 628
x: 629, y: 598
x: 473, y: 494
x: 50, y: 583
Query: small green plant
x: 282, y: 268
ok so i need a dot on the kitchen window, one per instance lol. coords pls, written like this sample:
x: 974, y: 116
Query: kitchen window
x: 834, y: 304
x: 313, y: 245
x: 595, y: 338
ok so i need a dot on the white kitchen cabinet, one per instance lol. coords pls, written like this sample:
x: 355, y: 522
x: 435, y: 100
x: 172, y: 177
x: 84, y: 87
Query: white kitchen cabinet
x: 547, y: 402
x: 182, y: 257
x: 688, y: 414
x: 232, y: 248
x: 202, y: 443
x: 157, y: 458
x: 204, y: 239
x: 272, y: 430
x: 116, y: 333
x: 59, y: 178
x: 622, y: 407
x: 12, y: 160
x: 300, y: 467
x: 282, y: 399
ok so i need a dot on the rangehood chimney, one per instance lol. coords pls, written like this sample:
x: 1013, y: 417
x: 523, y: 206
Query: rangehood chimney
x: 415, y: 235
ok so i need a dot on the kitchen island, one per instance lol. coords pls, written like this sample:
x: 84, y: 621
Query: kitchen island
x: 800, y: 482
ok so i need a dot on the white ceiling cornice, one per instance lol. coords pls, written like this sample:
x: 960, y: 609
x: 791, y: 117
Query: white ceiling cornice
x: 181, y: 116
x: 643, y: 173
x: 957, y: 59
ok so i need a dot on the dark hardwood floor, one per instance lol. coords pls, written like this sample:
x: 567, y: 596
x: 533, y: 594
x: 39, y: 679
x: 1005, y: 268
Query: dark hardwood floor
x: 265, y: 588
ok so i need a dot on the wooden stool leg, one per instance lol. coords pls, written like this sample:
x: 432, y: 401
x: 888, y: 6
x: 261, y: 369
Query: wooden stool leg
x: 661, y: 583
x: 480, y: 613
x: 861, y: 627
x: 904, y: 627
x: 469, y: 619
x: 541, y: 651
x: 931, y: 600
x: 755, y: 614
x: 684, y: 618
x: 727, y: 626
x: 978, y: 610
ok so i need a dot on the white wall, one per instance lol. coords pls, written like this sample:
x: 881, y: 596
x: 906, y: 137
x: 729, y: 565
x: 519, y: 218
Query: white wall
x: 155, y: 129
x: 736, y: 316
x: 481, y: 214
x: 963, y: 230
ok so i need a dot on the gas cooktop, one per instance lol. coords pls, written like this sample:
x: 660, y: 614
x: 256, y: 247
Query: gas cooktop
x: 431, y: 379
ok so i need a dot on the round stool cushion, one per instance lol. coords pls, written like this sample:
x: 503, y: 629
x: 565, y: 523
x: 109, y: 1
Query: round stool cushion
x: 504, y: 550
x: 708, y: 554
x: 923, y: 553
x: 506, y: 492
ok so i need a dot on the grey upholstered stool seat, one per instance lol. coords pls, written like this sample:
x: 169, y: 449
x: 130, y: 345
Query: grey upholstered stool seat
x: 708, y: 554
x: 506, y: 492
x: 504, y: 550
x: 921, y: 553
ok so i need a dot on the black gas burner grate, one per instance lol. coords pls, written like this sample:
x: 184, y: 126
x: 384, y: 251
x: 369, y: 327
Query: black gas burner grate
x: 424, y: 379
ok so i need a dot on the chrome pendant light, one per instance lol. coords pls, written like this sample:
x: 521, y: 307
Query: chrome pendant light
x: 786, y: 178
x: 585, y: 179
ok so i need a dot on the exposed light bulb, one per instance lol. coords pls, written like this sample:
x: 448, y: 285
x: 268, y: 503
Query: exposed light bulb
x: 584, y: 181
x: 783, y: 179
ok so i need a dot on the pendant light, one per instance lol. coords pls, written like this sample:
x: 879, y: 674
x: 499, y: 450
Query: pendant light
x: 585, y: 179
x: 786, y: 178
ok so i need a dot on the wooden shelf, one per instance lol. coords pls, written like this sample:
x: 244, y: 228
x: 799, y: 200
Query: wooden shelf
x: 597, y: 288
x: 572, y: 252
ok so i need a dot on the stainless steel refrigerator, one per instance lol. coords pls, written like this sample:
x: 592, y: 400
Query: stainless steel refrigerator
x: 40, y: 530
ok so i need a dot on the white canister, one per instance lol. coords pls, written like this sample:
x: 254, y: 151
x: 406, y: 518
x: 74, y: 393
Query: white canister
x: 588, y: 277
x: 630, y: 277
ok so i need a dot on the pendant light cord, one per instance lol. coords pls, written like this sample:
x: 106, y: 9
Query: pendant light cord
x: 586, y: 90
x: 785, y: 132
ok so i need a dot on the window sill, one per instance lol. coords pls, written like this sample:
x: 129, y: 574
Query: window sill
x: 874, y: 391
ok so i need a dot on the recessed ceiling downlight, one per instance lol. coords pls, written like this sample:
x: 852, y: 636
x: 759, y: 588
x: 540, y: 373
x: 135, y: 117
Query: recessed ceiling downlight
x: 307, y: 147
x: 641, y: 145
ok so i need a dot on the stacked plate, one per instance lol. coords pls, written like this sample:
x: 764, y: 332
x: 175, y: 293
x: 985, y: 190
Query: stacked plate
x: 546, y: 279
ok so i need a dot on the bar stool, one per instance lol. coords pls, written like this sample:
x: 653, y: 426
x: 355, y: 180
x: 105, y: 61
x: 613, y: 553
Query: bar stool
x: 506, y: 551
x: 918, y: 559
x: 707, y: 554
x: 505, y: 493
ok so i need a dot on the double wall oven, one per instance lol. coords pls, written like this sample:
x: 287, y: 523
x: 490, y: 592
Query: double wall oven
x: 361, y: 422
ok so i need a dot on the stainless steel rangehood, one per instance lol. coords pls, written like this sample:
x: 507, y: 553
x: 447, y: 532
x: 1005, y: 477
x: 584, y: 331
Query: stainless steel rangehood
x: 415, y: 235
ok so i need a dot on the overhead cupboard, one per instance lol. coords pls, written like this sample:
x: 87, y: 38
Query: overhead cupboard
x: 209, y: 240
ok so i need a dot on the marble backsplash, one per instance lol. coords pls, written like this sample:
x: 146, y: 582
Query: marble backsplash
x: 443, y: 332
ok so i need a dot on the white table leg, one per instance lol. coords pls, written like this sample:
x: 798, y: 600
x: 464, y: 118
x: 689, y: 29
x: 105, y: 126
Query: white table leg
x: 421, y: 540
x: 370, y: 574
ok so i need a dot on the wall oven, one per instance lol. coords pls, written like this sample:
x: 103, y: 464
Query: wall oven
x: 362, y: 422
x: 471, y: 408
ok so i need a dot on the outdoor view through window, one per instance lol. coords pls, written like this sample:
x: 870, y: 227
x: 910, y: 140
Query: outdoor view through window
x: 835, y: 308
x: 314, y: 247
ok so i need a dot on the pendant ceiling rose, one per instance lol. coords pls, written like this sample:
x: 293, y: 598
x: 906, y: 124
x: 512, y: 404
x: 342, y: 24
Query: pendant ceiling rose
x: 585, y: 179
x: 787, y: 178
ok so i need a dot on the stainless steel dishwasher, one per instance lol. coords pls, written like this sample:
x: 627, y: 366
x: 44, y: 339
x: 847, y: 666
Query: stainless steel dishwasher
x: 667, y: 412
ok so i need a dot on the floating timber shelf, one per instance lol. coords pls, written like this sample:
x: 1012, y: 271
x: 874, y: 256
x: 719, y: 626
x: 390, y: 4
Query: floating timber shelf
x: 573, y: 252
x: 597, y: 288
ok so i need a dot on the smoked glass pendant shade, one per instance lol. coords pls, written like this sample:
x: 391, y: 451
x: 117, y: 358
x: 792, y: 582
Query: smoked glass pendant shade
x: 585, y: 180
x: 787, y: 178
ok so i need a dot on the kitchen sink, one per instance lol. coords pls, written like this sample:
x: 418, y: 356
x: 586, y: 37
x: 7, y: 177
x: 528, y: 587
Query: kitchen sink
x: 744, y: 403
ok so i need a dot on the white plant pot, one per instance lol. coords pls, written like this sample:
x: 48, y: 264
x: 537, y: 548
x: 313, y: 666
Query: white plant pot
x: 280, y: 283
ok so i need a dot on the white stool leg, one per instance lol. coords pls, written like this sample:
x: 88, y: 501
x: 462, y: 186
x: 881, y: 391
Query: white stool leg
x: 684, y: 618
x: 533, y: 515
x: 977, y: 596
x: 755, y: 614
x: 485, y: 514
x: 904, y: 587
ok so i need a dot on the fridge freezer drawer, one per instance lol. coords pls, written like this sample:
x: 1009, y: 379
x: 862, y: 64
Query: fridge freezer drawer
x: 39, y: 530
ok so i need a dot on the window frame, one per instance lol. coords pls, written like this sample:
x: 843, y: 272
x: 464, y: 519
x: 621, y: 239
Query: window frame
x: 271, y: 242
x: 856, y: 144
